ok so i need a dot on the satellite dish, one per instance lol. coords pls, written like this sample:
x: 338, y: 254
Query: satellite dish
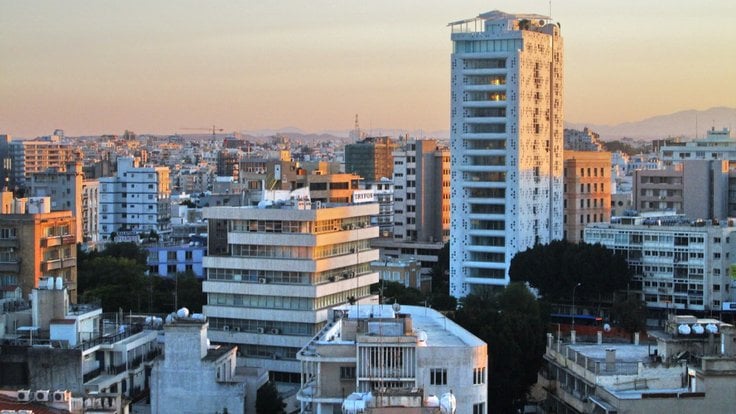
x: 396, y: 307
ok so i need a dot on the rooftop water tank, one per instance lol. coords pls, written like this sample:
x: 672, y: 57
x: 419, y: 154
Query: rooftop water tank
x: 684, y: 329
x: 183, y: 313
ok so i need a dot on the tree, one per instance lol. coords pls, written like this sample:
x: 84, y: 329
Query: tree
x: 268, y: 400
x: 512, y: 325
x: 116, y: 282
x: 397, y: 292
x: 555, y: 268
x: 630, y: 313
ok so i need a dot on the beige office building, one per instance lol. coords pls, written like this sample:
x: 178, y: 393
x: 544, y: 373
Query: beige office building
x: 587, y: 191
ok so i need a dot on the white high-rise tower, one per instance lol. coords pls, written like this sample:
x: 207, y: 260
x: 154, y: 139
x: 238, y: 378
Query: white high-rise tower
x: 506, y: 143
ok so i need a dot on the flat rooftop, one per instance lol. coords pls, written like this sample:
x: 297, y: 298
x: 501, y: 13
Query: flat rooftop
x: 440, y: 330
x: 624, y: 352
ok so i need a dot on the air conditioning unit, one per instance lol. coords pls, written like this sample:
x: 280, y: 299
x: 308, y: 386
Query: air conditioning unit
x: 261, y: 330
x: 42, y: 395
x: 262, y: 280
x: 24, y: 395
x: 226, y: 328
x: 61, y: 396
x: 275, y: 331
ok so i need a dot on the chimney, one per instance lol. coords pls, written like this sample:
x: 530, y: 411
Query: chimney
x: 572, y: 337
x: 636, y: 338
x: 599, y: 337
x: 610, y: 359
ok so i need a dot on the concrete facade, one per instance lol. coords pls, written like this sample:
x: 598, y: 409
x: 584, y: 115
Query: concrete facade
x: 167, y: 260
x: 69, y: 354
x: 32, y: 156
x: 677, y: 264
x: 194, y: 377
x: 587, y: 191
x: 33, y: 245
x: 90, y: 210
x: 697, y: 188
x: 717, y: 145
x: 273, y: 272
x: 370, y: 158
x: 506, y: 137
x: 64, y: 187
x: 673, y: 373
x: 369, y: 348
x: 135, y: 199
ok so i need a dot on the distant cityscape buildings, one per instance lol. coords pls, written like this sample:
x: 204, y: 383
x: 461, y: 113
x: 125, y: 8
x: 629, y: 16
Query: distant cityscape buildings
x: 506, y: 137
x: 295, y: 238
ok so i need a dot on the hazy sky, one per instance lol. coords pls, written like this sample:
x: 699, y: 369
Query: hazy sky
x: 155, y: 66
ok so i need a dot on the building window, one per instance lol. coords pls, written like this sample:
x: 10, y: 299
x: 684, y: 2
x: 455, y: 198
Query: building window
x: 347, y: 373
x: 479, y: 408
x: 479, y: 375
x: 438, y: 376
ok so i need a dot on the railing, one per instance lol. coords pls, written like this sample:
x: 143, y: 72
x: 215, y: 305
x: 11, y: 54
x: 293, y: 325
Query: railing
x: 596, y: 366
x: 132, y: 330
x: 91, y: 375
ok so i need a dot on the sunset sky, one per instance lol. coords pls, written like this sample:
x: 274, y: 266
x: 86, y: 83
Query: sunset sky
x: 153, y: 66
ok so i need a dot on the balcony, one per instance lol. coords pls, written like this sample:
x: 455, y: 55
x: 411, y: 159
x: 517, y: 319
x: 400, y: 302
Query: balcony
x: 50, y: 265
x: 52, y: 241
x: 9, y: 263
x: 9, y: 243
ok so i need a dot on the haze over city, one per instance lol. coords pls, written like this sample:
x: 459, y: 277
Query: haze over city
x: 155, y: 67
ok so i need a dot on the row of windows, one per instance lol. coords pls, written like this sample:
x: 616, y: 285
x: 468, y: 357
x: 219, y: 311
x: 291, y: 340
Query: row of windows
x: 286, y: 277
x: 438, y: 376
x: 287, y: 302
x: 586, y: 188
x: 266, y: 327
x: 268, y: 226
x: 591, y: 172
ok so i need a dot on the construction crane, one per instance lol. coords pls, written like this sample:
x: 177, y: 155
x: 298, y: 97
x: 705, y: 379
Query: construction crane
x: 214, y: 130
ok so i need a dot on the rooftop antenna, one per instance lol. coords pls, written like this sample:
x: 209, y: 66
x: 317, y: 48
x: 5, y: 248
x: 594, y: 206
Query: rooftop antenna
x: 696, y: 125
x: 550, y: 8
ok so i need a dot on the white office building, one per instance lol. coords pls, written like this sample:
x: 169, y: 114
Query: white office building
x: 717, y: 145
x: 136, y: 200
x: 676, y: 263
x: 274, y: 271
x: 371, y: 349
x: 506, y: 138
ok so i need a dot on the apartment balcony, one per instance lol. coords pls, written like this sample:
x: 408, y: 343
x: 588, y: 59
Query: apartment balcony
x: 485, y: 88
x: 9, y: 243
x: 51, y: 265
x: 485, y: 104
x: 485, y: 119
x: 485, y: 71
x: 10, y: 265
x: 52, y: 241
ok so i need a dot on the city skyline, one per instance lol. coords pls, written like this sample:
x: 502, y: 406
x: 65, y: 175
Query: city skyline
x: 102, y: 67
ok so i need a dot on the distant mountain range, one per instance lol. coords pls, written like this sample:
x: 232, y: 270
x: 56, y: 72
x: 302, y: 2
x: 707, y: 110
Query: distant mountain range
x: 678, y: 124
